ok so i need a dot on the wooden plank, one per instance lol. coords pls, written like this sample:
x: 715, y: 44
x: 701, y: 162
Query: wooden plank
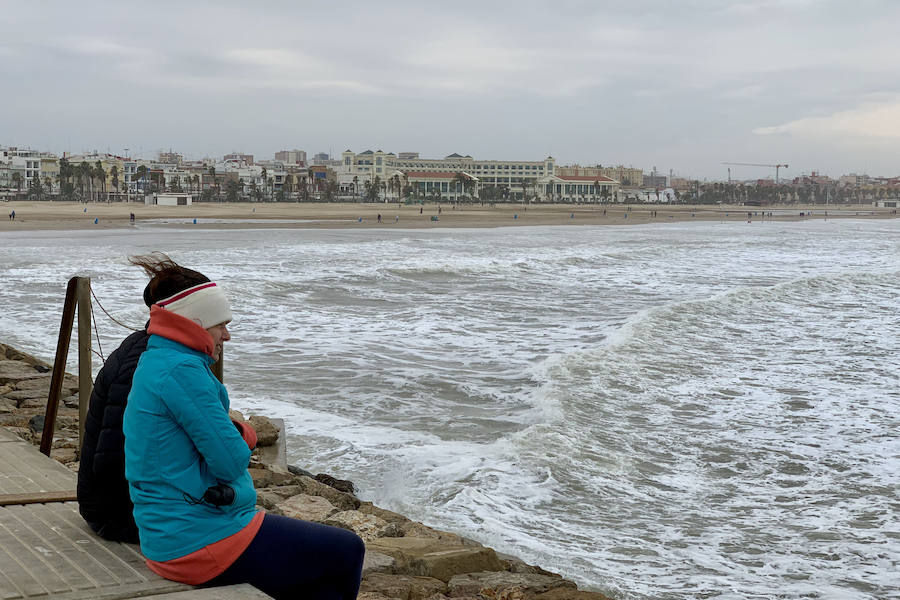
x: 8, y: 436
x: 23, y: 470
x: 242, y: 591
x: 48, y: 550
x: 35, y: 554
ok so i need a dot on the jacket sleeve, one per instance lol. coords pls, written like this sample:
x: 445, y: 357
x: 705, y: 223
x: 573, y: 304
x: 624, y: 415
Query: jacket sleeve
x: 194, y: 403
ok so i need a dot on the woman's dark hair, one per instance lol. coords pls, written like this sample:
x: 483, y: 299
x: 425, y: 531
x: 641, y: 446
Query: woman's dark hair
x: 167, y: 277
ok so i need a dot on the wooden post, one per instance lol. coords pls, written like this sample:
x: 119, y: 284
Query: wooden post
x: 59, y: 366
x: 85, y: 380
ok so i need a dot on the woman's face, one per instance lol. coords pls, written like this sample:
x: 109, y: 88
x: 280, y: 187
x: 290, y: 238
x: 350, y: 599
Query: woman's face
x: 219, y: 335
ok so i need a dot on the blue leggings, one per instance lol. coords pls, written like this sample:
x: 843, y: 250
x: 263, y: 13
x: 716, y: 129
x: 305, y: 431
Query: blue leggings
x: 290, y: 558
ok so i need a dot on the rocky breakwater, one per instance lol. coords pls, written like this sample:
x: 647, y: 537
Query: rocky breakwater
x: 405, y: 560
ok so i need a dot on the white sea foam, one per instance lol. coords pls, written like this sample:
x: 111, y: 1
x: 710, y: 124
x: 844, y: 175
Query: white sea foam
x: 670, y: 411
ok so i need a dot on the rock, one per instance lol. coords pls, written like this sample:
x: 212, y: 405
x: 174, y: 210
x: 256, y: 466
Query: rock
x: 404, y: 587
x: 236, y: 415
x: 22, y: 432
x: 34, y: 404
x: 266, y: 432
x: 391, y: 517
x: 517, y: 565
x: 307, y: 508
x: 368, y: 527
x: 445, y: 564
x: 372, y: 596
x: 376, y: 562
x: 26, y: 394
x: 406, y: 548
x: 269, y: 475
x: 392, y: 530
x: 284, y: 491
x: 341, y: 485
x: 267, y: 499
x: 71, y: 401
x: 7, y: 406
x: 493, y: 585
x: 569, y: 594
x: 12, y: 371
x: 63, y: 455
x: 38, y: 383
x: 408, y: 528
x: 36, y: 423
x: 413, y: 529
x: 339, y: 499
x: 10, y: 353
x: 298, y: 471
x: 434, y: 557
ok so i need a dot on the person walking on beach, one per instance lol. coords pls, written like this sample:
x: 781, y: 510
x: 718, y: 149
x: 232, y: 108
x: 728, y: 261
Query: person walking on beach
x: 186, y: 465
x: 12, y: 216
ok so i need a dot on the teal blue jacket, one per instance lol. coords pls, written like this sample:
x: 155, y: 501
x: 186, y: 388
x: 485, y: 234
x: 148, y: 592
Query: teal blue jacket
x: 179, y: 441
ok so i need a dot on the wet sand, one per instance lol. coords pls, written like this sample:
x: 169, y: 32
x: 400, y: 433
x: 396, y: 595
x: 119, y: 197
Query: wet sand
x: 71, y: 215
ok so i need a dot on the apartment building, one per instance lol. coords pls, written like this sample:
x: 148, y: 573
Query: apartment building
x: 626, y: 176
x: 291, y: 157
x: 513, y: 180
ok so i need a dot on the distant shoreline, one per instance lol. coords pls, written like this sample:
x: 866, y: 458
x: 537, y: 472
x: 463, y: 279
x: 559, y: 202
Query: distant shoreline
x: 94, y: 215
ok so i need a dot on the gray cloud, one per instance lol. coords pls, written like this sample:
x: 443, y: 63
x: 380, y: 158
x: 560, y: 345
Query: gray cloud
x: 678, y: 85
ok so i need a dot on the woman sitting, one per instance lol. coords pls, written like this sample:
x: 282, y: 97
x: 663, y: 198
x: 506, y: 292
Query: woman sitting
x: 186, y: 465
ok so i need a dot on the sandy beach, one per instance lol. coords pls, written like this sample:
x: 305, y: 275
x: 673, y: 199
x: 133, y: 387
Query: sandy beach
x: 71, y: 215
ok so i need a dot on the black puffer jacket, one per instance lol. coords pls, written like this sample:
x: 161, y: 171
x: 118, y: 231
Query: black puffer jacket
x: 103, y: 498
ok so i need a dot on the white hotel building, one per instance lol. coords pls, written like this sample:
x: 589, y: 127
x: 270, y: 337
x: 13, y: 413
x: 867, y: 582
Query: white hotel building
x: 538, y: 179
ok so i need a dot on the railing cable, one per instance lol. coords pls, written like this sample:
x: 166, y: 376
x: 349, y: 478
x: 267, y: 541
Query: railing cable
x: 111, y: 318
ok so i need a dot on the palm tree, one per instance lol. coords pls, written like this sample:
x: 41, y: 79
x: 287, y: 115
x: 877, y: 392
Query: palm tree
x: 288, y: 185
x: 356, y: 186
x: 330, y: 190
x: 48, y: 183
x: 232, y: 190
x: 35, y: 190
x: 141, y: 175
x: 265, y: 180
x: 377, y: 187
x: 86, y: 173
x: 458, y: 183
x: 100, y: 173
x: 114, y: 174
x: 17, y: 181
x: 270, y: 184
x: 212, y: 174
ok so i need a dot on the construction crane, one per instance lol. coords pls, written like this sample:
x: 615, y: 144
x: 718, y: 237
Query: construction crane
x: 776, y: 167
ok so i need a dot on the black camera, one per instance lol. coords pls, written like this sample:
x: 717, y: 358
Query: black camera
x: 219, y: 495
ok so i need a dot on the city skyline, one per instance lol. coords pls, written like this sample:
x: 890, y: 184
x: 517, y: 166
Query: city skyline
x: 803, y: 82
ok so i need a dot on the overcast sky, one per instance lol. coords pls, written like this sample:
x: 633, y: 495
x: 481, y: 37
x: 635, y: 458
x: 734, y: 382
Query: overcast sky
x: 681, y: 85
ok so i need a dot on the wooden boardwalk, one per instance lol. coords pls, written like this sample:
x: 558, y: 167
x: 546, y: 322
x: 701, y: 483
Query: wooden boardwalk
x: 47, y: 550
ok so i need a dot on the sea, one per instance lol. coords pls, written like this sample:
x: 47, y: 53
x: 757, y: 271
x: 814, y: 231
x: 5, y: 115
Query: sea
x: 659, y: 411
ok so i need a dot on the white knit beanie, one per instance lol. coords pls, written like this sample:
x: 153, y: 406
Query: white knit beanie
x: 204, y: 304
